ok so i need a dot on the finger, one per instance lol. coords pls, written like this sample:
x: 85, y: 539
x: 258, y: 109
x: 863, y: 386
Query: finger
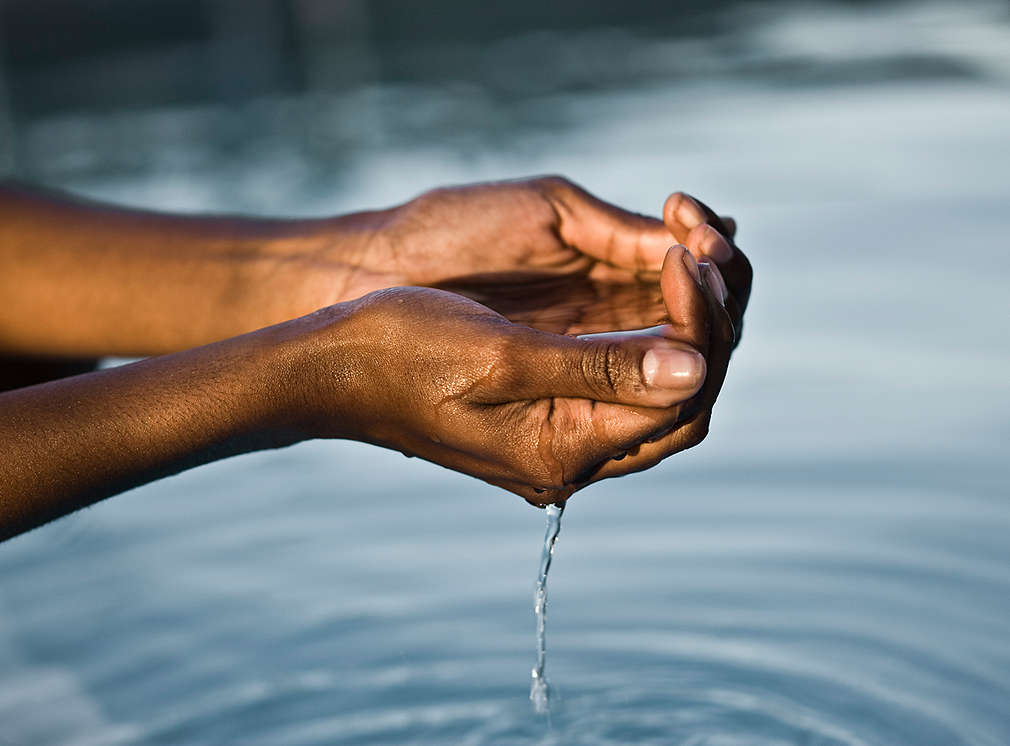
x: 730, y: 225
x: 706, y: 325
x: 695, y: 225
x: 647, y: 455
x: 729, y: 301
x: 586, y: 434
x: 632, y: 368
x: 684, y: 298
x: 704, y: 242
x: 682, y: 213
x: 720, y: 340
x: 603, y: 231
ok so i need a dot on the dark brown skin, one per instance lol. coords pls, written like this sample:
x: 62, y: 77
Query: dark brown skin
x: 423, y: 370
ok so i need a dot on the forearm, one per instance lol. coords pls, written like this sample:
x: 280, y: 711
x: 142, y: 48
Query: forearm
x: 70, y: 443
x: 81, y: 278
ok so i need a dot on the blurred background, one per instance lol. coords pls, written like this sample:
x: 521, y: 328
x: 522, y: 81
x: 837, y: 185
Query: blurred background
x: 830, y: 567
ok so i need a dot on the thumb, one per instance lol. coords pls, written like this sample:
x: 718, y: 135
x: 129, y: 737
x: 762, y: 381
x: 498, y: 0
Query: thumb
x: 642, y: 368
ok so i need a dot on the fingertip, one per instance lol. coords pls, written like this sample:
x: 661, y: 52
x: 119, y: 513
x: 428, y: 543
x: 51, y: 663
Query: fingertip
x: 692, y: 266
x: 676, y: 283
x: 673, y: 257
x: 680, y: 266
x: 729, y: 224
x: 705, y: 240
x: 682, y: 210
x: 670, y: 208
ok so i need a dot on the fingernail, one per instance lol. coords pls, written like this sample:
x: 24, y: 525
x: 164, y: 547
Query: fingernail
x: 692, y: 266
x: 688, y: 213
x: 715, y: 282
x: 669, y: 368
x: 718, y: 247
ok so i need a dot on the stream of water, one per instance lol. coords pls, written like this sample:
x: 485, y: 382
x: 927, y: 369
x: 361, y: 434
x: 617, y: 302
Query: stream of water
x: 540, y: 688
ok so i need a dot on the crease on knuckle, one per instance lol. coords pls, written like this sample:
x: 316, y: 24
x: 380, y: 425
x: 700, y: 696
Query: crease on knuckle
x: 605, y: 370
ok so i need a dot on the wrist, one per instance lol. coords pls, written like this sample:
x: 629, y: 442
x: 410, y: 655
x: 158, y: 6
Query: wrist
x: 313, y: 375
x: 322, y: 262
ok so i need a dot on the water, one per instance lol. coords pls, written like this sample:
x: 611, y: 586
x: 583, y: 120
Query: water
x: 540, y: 689
x: 830, y: 567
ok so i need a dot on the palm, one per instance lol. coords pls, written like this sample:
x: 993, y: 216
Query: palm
x: 542, y: 252
x: 537, y: 258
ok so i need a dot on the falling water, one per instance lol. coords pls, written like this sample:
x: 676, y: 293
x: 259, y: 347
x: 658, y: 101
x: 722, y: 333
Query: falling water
x: 540, y: 690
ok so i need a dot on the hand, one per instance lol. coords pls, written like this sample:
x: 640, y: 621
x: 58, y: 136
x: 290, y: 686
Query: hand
x: 545, y: 252
x: 436, y: 375
x: 541, y: 225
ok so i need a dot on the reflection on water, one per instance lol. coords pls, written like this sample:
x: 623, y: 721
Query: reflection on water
x: 568, y: 304
x: 830, y: 567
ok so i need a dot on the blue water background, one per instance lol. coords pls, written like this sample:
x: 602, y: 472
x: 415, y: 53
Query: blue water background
x: 832, y: 565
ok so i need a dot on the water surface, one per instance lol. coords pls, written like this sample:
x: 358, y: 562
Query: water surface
x: 830, y: 567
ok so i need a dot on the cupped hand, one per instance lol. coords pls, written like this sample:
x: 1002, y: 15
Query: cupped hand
x: 437, y: 375
x: 507, y: 241
x: 540, y: 225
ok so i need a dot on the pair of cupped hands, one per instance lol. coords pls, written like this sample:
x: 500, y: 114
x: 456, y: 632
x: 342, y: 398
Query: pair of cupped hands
x: 530, y: 334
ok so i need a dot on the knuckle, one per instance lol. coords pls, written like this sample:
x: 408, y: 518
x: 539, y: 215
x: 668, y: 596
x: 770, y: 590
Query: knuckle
x: 553, y: 183
x: 606, y: 370
x: 501, y: 362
